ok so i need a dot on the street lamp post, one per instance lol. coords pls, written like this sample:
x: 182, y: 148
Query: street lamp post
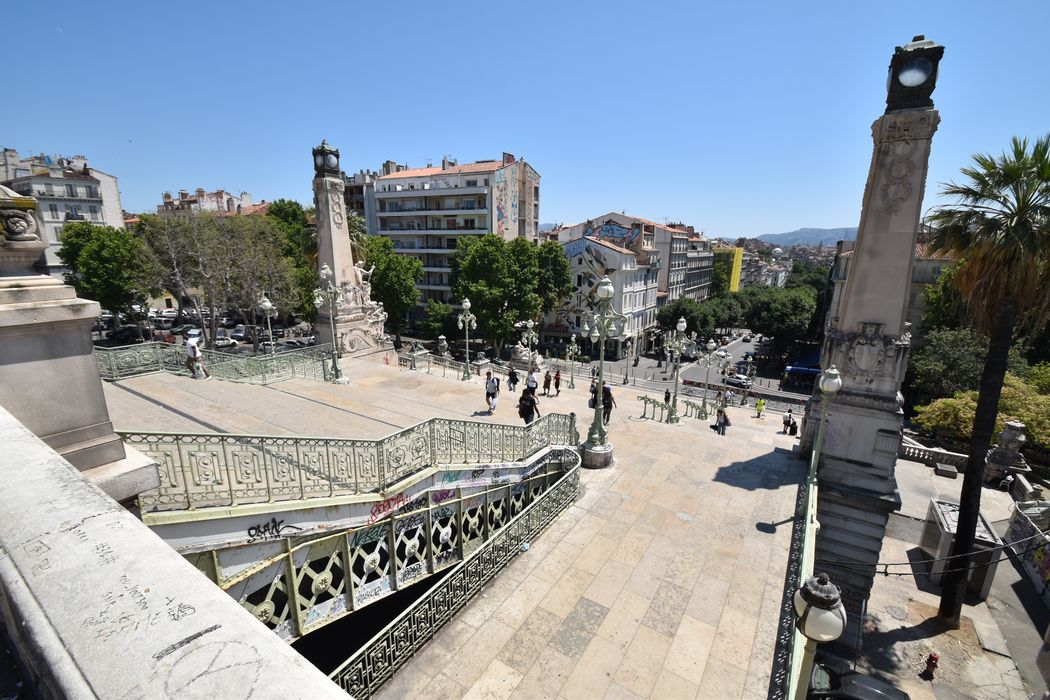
x: 724, y: 365
x: 709, y: 358
x: 676, y: 344
x: 750, y: 373
x: 571, y: 353
x: 467, y: 321
x: 267, y: 308
x: 821, y: 618
x: 530, y: 337
x: 328, y: 293
x: 599, y: 325
x: 830, y: 383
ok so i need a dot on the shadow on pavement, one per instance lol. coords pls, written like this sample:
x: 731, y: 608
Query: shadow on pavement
x: 769, y: 471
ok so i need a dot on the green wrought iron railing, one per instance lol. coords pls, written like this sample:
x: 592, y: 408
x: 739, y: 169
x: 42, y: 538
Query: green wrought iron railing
x: 786, y: 673
x: 202, y: 470
x: 319, y: 580
x: 132, y: 360
x: 374, y: 663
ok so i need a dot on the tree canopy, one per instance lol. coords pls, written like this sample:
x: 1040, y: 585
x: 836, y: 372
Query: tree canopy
x: 393, y: 281
x: 998, y: 229
x: 111, y: 266
x: 500, y: 278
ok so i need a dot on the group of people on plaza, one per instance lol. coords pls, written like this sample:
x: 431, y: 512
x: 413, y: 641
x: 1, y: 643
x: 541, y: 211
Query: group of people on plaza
x: 528, y: 404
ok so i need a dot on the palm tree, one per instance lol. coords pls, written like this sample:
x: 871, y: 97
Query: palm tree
x: 999, y: 230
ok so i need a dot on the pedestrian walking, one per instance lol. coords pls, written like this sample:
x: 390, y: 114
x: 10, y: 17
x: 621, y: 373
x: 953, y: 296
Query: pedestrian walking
x: 491, y: 391
x: 760, y: 406
x: 528, y: 406
x: 607, y: 403
x: 547, y: 383
x: 512, y: 378
x: 193, y: 359
x: 594, y: 394
x: 787, y: 420
x: 722, y: 422
x: 557, y: 383
x: 667, y: 396
x: 594, y: 371
x: 531, y: 382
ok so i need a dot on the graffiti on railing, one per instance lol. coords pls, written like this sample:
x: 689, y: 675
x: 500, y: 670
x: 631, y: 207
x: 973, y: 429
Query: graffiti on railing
x: 375, y: 662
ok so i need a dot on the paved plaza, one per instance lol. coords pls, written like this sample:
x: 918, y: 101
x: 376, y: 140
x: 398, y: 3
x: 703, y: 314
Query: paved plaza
x: 663, y: 581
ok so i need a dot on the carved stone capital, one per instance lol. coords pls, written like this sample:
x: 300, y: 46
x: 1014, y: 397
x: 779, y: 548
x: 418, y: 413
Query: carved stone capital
x: 906, y: 126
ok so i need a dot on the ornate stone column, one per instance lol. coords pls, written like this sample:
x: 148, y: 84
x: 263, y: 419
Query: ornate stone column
x: 867, y: 339
x: 358, y: 320
x: 48, y: 375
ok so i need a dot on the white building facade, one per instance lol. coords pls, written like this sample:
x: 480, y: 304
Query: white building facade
x: 634, y: 284
x: 425, y: 211
x: 217, y: 202
x: 68, y: 189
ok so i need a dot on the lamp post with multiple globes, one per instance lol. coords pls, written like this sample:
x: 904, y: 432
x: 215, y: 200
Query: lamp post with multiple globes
x: 600, y: 324
x: 571, y: 353
x: 329, y: 294
x: 676, y: 344
x: 467, y: 321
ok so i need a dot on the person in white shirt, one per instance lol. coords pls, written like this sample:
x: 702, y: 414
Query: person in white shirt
x: 531, y: 382
x: 193, y: 358
x: 491, y: 391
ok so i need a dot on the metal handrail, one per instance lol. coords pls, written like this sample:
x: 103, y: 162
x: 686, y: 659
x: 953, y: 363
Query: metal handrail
x: 379, y: 658
x: 212, y: 470
x: 132, y: 360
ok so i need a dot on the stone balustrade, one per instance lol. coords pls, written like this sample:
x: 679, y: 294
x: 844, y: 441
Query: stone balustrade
x: 95, y: 605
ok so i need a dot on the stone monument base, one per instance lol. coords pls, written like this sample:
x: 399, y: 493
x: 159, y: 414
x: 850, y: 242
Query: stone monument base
x: 597, y: 456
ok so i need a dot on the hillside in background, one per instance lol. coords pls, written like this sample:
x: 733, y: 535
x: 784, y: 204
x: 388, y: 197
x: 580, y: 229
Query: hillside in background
x: 810, y: 236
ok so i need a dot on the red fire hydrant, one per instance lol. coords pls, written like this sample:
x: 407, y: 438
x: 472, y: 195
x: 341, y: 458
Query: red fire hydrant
x: 931, y: 666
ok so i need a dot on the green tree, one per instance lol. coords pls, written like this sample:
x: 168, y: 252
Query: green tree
x: 393, y: 281
x: 439, y: 320
x: 783, y: 314
x: 112, y: 266
x: 944, y: 305
x: 699, y: 317
x: 75, y: 235
x: 719, y: 281
x: 1039, y: 377
x: 1000, y: 230
x: 808, y: 274
x: 953, y: 418
x: 499, y: 278
x: 950, y: 361
x: 554, y: 282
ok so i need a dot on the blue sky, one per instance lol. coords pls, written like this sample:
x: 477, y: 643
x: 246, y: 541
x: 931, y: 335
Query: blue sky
x: 740, y: 118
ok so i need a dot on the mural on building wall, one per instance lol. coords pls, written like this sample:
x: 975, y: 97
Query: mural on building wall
x: 593, y: 266
x: 614, y: 233
x: 499, y: 195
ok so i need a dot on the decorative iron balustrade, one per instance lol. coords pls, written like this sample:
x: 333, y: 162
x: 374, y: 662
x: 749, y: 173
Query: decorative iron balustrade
x: 320, y: 580
x: 207, y: 470
x: 132, y: 360
x: 377, y: 661
x: 785, y: 674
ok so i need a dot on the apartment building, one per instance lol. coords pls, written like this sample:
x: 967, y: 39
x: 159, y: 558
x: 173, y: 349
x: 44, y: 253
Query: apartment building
x: 217, y: 202
x: 635, y: 294
x: 700, y: 263
x: 425, y: 211
x: 68, y: 189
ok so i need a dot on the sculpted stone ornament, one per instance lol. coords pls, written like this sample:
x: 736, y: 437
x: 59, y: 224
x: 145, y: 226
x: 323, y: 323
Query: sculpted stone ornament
x: 1006, y: 457
x: 17, y: 214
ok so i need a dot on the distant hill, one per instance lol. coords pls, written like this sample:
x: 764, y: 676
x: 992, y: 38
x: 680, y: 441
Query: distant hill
x: 811, y: 236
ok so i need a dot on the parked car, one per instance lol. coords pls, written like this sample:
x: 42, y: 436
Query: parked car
x: 169, y: 313
x: 738, y: 380
x: 162, y: 323
x: 224, y: 341
x: 126, y: 335
x: 291, y: 344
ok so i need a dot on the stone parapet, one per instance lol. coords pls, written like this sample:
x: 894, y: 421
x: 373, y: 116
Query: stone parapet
x: 96, y: 605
